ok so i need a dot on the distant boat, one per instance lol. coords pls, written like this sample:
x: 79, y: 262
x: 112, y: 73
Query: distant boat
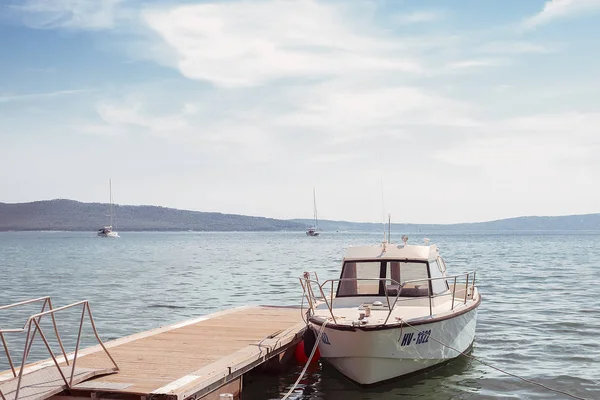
x: 107, y: 231
x: 314, y: 230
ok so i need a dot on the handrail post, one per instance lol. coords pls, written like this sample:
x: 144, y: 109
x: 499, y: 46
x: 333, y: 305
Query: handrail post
x: 393, y: 305
x: 89, y: 310
x: 453, y: 293
x: 77, y: 345
x: 38, y: 320
x: 12, y: 367
x: 58, y: 339
x: 51, y: 352
x: 25, y: 354
x: 429, y: 295
x: 387, y: 297
x: 466, y: 288
x: 329, y: 306
x: 305, y: 294
x: 331, y: 297
x: 473, y: 284
x: 311, y: 292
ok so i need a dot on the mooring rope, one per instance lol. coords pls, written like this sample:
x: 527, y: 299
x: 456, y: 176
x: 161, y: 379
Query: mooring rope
x: 302, y: 309
x: 314, y: 350
x: 499, y: 369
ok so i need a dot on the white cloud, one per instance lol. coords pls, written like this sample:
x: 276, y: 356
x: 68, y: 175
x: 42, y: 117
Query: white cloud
x: 418, y: 17
x: 351, y: 110
x: 515, y: 47
x: 556, y: 9
x: 123, y: 115
x: 473, y: 63
x: 568, y: 123
x: 87, y: 128
x: 38, y: 96
x: 194, y: 124
x: 540, y: 143
x: 248, y: 43
x: 70, y: 14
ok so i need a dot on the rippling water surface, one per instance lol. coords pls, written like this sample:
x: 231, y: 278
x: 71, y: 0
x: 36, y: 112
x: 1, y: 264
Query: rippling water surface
x: 540, y: 315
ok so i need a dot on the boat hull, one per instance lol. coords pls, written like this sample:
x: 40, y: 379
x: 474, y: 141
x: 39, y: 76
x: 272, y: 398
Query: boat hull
x: 375, y: 355
x: 109, y: 234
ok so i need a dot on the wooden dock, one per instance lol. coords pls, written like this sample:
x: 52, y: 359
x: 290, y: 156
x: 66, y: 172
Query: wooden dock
x: 195, y: 359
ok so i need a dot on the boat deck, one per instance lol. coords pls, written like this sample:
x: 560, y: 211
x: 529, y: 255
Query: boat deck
x: 189, y: 359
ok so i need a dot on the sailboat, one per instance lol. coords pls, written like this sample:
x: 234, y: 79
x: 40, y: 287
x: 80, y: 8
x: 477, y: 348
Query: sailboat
x: 107, y: 231
x: 314, y: 230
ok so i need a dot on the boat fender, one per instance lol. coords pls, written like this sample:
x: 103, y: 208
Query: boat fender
x: 309, y: 339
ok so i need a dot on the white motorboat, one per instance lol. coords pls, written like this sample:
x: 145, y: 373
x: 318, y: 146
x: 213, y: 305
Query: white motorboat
x: 395, y: 311
x: 314, y: 230
x: 108, y: 231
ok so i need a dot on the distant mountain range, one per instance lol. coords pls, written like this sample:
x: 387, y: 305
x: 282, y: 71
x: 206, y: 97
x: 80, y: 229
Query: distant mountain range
x: 584, y: 222
x: 72, y: 215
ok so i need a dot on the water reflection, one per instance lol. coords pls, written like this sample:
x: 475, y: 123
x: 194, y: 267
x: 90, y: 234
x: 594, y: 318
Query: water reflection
x: 323, y: 381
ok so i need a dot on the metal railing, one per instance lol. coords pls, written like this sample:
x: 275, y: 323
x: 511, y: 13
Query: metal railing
x: 34, y: 322
x: 308, y: 291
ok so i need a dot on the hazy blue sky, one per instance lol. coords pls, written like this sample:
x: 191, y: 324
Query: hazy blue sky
x: 469, y: 110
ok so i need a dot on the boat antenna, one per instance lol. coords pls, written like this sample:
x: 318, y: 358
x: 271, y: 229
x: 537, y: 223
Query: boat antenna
x: 389, y: 228
x: 383, y: 209
x: 111, y: 201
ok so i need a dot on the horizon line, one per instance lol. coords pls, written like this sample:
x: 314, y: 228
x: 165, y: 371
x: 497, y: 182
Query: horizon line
x: 296, y: 219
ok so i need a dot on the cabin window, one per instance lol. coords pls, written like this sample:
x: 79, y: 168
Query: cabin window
x: 438, y: 285
x: 403, y: 271
x: 364, y: 277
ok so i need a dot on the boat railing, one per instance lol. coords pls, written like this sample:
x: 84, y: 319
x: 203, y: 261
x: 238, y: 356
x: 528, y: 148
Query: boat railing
x: 469, y: 288
x: 308, y: 291
x: 32, y: 326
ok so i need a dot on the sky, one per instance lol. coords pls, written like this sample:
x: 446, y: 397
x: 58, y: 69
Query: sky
x: 431, y: 111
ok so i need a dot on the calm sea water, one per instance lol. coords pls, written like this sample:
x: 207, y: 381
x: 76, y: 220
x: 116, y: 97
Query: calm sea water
x: 540, y: 315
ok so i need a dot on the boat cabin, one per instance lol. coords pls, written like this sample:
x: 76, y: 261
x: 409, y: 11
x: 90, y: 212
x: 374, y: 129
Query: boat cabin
x: 390, y: 269
x: 106, y: 229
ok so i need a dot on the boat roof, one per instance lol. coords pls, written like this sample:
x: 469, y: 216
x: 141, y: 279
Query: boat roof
x: 392, y: 251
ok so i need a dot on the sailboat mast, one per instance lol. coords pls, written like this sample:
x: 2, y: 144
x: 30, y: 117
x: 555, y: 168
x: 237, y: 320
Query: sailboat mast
x: 315, y: 207
x: 111, y: 199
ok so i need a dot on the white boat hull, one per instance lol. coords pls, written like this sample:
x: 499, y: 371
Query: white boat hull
x: 371, y: 356
x: 109, y: 234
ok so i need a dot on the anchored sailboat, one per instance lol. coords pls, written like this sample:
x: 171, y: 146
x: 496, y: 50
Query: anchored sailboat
x: 107, y: 231
x: 314, y: 230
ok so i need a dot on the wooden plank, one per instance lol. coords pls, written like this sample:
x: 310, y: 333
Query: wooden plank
x: 192, y: 358
x: 114, y: 343
x: 46, y: 382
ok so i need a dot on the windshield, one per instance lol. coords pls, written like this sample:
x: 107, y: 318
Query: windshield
x: 373, y: 278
